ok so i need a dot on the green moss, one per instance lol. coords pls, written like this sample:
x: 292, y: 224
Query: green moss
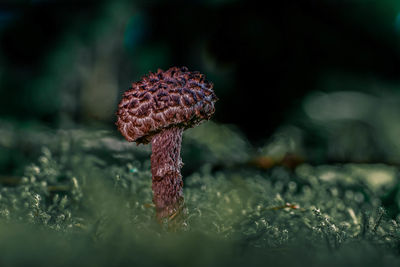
x: 86, y: 200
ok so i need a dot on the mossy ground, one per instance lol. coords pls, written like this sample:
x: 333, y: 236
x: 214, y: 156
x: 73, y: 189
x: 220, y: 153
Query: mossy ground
x: 86, y: 201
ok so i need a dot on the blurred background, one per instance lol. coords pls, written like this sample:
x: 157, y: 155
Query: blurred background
x: 298, y: 81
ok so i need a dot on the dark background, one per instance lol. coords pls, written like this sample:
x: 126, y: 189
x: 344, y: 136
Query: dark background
x: 65, y: 65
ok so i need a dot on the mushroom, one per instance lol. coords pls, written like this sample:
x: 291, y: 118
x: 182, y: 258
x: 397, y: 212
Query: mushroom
x: 158, y: 109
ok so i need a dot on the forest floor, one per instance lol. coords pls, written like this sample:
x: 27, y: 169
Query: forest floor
x: 83, y: 198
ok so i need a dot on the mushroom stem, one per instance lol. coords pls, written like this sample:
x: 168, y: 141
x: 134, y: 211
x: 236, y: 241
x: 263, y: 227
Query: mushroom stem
x: 166, y: 164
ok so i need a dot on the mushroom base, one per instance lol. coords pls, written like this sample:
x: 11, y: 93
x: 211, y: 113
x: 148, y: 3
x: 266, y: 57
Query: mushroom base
x: 166, y: 164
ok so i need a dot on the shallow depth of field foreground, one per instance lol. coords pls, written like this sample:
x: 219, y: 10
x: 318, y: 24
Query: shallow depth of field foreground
x: 87, y: 201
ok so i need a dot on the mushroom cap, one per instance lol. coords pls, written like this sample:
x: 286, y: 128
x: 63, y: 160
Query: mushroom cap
x: 172, y: 98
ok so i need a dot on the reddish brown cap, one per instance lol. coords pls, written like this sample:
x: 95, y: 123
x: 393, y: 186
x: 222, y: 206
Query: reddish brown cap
x: 172, y: 98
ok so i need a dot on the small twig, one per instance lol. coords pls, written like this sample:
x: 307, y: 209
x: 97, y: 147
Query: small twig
x: 10, y: 180
x: 364, y: 224
x: 287, y: 205
x: 378, y: 220
x: 14, y: 180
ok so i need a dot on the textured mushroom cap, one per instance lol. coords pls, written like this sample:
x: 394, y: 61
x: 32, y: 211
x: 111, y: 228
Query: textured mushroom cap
x: 172, y: 98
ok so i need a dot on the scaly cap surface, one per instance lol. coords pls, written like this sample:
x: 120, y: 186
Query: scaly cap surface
x: 172, y: 98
